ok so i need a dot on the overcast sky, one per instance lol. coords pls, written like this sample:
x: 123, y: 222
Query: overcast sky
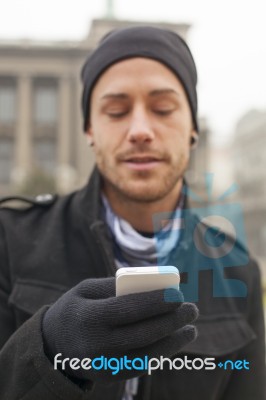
x: 227, y: 39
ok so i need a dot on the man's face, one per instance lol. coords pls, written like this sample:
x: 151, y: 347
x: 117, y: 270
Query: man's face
x: 141, y: 126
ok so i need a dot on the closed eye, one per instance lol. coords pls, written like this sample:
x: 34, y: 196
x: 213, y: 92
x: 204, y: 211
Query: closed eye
x: 117, y: 114
x: 163, y: 112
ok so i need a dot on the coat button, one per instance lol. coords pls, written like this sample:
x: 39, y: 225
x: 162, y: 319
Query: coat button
x: 44, y: 198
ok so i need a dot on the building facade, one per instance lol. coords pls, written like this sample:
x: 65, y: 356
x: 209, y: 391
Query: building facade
x: 249, y: 160
x: 40, y: 110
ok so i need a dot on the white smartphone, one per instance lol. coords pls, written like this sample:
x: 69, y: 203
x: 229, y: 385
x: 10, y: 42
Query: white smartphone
x: 145, y: 279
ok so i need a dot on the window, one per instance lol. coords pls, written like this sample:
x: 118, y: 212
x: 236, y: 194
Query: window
x: 45, y: 104
x: 45, y: 154
x: 7, y: 103
x: 6, y: 159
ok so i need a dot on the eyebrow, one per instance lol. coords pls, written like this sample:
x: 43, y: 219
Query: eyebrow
x: 118, y: 96
x: 153, y: 93
x: 158, y: 92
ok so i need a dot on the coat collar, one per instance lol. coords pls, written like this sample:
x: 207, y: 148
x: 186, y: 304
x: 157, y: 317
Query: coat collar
x: 87, y: 201
x: 88, y: 206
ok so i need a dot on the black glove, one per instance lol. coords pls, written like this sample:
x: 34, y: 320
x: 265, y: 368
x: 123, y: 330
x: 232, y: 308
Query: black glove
x: 88, y: 321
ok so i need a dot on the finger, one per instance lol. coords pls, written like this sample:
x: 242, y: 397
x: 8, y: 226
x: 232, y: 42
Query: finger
x: 146, y: 332
x: 99, y: 288
x: 138, y: 306
x: 168, y: 346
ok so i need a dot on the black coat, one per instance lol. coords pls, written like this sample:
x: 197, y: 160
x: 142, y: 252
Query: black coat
x: 49, y: 247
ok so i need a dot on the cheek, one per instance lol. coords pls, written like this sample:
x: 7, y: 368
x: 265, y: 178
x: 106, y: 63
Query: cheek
x: 99, y: 135
x: 179, y: 149
x: 109, y: 139
x: 104, y: 146
x: 177, y: 140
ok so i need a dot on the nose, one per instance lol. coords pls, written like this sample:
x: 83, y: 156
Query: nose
x: 140, y: 129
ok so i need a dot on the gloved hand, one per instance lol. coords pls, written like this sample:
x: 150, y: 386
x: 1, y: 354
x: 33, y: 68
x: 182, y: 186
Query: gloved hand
x: 88, y: 321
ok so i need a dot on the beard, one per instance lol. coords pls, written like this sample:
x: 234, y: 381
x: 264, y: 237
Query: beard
x: 146, y: 186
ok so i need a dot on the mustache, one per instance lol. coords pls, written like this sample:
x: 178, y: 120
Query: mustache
x: 152, y: 153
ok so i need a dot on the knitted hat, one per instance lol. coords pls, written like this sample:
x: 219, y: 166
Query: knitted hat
x: 158, y: 44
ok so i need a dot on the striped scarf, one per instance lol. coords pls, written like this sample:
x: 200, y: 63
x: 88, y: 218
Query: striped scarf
x: 131, y: 249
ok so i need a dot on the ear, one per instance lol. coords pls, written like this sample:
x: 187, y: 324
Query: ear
x: 89, y: 136
x: 194, y: 138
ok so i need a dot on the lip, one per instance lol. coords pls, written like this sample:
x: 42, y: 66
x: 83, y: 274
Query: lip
x: 142, y: 163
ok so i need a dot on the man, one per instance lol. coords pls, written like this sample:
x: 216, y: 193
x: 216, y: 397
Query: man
x: 58, y: 257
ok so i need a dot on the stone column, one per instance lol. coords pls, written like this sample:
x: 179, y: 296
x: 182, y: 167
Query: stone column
x: 23, y: 144
x: 84, y: 154
x: 65, y: 173
x: 64, y: 116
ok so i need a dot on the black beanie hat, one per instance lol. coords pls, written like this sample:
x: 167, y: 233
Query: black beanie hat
x: 159, y: 44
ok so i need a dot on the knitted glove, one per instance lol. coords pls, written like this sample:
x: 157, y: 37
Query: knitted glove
x: 88, y: 321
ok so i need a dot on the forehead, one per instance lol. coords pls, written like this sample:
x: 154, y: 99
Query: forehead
x: 137, y: 74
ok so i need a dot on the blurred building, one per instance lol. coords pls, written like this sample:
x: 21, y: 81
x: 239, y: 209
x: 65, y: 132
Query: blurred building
x: 40, y: 110
x: 250, y: 174
x: 221, y: 167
